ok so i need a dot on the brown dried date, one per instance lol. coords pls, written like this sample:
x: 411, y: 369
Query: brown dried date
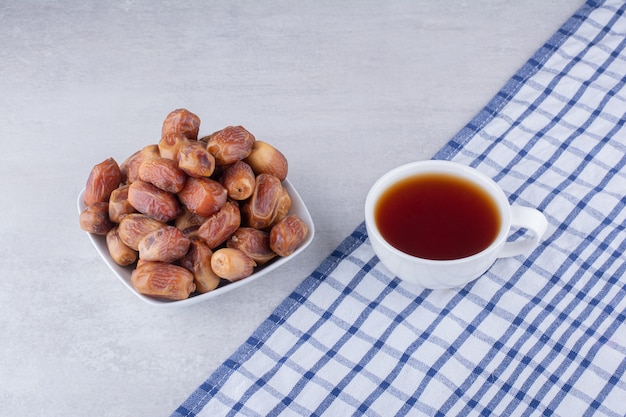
x: 282, y: 206
x: 163, y: 280
x: 287, y: 235
x: 198, y: 261
x: 130, y: 167
x: 266, y: 159
x: 195, y: 160
x: 103, y: 179
x: 95, y: 219
x: 163, y: 173
x: 189, y: 222
x: 119, y: 205
x: 231, y: 144
x: 179, y: 127
x: 119, y: 251
x: 181, y: 122
x: 232, y: 264
x: 135, y: 226
x: 218, y: 227
x: 269, y: 202
x: 166, y: 244
x: 239, y: 180
x: 253, y: 242
x: 153, y: 202
x: 203, y: 196
x: 170, y: 145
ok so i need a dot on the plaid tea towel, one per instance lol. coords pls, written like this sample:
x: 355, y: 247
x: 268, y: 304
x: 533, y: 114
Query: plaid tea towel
x: 536, y: 335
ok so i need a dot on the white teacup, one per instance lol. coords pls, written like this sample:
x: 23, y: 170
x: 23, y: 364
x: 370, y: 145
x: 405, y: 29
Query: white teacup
x: 451, y: 273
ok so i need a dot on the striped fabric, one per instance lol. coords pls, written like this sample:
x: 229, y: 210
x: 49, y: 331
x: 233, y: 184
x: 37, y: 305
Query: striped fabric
x: 536, y: 335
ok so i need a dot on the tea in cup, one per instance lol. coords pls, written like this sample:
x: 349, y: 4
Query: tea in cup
x: 441, y: 224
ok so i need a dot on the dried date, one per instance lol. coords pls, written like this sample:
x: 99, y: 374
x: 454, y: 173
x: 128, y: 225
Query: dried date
x: 95, y: 219
x: 179, y: 127
x: 218, y: 227
x: 166, y: 244
x: 119, y: 251
x: 231, y: 144
x: 239, y: 180
x: 287, y: 235
x: 232, y: 264
x: 282, y: 205
x: 133, y: 227
x: 163, y: 173
x: 130, y: 167
x: 195, y: 160
x: 119, y: 206
x: 203, y: 196
x: 198, y: 261
x: 163, y: 280
x: 266, y: 159
x: 170, y: 145
x: 269, y: 202
x: 253, y: 242
x: 181, y: 122
x: 189, y: 222
x: 103, y: 179
x: 154, y: 202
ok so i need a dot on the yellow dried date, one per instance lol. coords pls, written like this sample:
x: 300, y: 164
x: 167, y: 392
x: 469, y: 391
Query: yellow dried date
x: 232, y: 264
x: 266, y: 159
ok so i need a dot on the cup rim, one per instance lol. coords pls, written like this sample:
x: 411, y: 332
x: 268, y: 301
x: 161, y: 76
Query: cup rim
x: 437, y: 166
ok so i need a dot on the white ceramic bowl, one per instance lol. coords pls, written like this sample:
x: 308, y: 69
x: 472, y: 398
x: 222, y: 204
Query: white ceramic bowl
x: 123, y: 273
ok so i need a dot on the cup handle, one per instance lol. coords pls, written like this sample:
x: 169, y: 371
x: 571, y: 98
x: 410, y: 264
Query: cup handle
x: 527, y: 218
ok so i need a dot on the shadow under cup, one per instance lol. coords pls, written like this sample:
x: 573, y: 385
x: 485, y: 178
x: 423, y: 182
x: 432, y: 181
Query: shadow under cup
x: 440, y: 224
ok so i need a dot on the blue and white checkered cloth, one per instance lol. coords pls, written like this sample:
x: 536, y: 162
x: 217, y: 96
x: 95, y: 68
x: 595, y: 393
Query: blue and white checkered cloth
x: 537, y: 335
